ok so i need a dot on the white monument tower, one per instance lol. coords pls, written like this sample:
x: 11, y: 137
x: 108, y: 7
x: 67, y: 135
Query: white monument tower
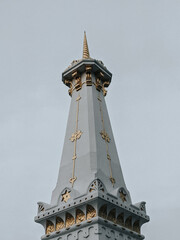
x: 90, y: 200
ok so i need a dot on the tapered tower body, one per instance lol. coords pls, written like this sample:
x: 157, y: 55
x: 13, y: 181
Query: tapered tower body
x: 90, y: 200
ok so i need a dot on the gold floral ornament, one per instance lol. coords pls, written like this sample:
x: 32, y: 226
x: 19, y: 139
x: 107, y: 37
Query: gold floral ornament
x: 59, y: 224
x: 80, y: 216
x: 91, y: 212
x: 49, y: 227
x: 69, y: 220
x: 123, y: 196
x: 76, y: 136
x: 66, y: 196
x: 105, y: 136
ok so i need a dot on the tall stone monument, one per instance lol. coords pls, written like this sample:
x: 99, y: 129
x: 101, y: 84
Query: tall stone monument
x: 90, y: 200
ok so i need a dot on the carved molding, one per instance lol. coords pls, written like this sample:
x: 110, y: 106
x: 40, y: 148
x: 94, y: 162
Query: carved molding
x: 91, y: 213
x: 92, y: 232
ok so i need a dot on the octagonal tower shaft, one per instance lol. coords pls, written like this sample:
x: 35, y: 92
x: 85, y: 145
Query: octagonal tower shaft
x: 89, y: 150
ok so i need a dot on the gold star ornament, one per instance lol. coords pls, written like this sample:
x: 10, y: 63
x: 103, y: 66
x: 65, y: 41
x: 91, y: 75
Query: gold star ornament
x: 66, y: 196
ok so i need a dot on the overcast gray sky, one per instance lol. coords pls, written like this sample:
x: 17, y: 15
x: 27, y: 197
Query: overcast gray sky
x: 138, y: 41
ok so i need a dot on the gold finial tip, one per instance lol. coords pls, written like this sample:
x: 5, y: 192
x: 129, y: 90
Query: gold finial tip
x: 85, y: 48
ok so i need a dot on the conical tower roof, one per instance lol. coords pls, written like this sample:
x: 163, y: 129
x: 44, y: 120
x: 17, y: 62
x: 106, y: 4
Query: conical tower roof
x: 86, y: 54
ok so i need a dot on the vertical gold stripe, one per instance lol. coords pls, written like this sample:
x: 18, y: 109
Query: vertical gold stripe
x: 107, y: 139
x: 74, y: 138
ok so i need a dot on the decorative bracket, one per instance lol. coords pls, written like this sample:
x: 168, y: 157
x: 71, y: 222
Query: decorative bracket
x: 78, y: 83
x: 69, y: 84
x: 98, y: 84
x: 88, y: 76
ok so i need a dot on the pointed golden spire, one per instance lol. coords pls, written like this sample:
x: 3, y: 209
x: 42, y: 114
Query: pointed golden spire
x: 85, y: 48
